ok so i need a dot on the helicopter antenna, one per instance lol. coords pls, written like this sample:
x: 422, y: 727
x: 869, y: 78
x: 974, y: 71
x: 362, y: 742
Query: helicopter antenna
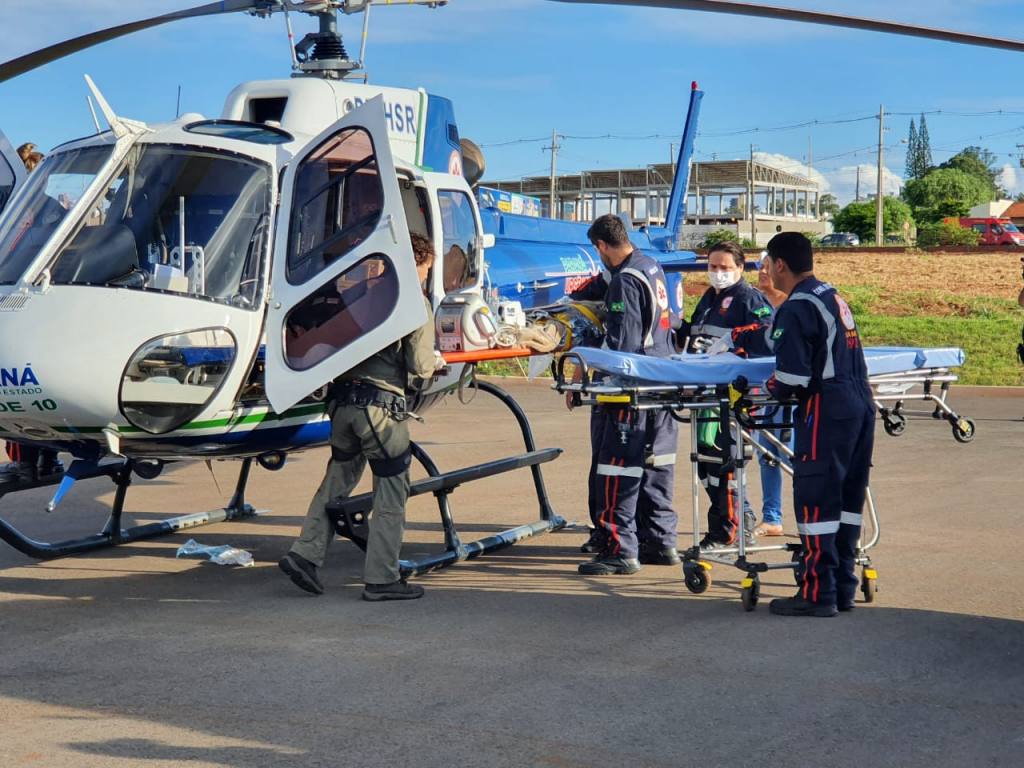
x: 362, y: 46
x: 92, y: 111
x: 121, y: 126
x: 291, y: 39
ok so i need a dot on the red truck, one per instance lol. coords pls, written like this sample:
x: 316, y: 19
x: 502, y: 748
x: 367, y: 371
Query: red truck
x: 993, y: 231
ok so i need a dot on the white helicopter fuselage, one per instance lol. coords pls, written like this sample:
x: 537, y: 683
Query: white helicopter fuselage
x: 158, y: 298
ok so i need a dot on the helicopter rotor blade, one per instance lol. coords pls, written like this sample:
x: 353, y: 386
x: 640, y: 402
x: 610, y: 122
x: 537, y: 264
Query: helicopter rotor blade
x: 30, y: 61
x: 816, y: 17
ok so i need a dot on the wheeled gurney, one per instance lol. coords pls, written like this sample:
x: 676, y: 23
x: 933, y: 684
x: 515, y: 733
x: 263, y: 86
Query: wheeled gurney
x: 697, y: 388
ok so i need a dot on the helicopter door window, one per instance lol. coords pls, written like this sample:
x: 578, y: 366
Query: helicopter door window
x: 358, y: 300
x: 51, y: 191
x: 458, y: 225
x: 338, y: 202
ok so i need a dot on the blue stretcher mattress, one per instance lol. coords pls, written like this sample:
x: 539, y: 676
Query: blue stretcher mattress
x: 724, y: 368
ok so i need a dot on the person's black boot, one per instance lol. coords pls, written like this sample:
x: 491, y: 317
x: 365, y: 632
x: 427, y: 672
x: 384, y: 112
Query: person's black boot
x: 656, y: 556
x: 396, y: 590
x: 797, y: 606
x: 595, y: 543
x: 301, y: 572
x: 844, y: 604
x: 708, y: 545
x: 608, y: 566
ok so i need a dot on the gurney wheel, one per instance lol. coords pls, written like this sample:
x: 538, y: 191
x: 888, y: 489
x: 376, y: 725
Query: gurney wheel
x: 895, y: 425
x: 696, y: 578
x: 868, y: 584
x: 963, y: 430
x: 750, y: 593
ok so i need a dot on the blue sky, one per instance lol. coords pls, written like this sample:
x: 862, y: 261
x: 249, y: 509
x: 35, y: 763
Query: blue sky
x: 517, y: 69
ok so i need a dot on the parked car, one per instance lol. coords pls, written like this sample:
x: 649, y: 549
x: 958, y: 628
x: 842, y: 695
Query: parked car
x: 840, y: 240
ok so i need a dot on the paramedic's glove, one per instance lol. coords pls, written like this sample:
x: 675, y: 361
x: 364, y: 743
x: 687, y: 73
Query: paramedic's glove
x: 720, y: 345
x: 700, y: 345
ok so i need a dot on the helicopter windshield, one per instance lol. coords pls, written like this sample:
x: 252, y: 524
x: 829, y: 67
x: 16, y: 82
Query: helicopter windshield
x: 177, y: 219
x: 52, y: 190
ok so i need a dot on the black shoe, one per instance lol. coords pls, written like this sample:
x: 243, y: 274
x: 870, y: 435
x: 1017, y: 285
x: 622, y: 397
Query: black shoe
x: 17, y: 471
x: 396, y: 590
x: 652, y: 556
x: 302, y: 573
x: 709, y: 545
x: 608, y: 565
x: 596, y: 542
x: 845, y: 604
x: 797, y: 606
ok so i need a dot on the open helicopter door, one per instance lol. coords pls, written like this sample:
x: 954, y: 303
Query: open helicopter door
x: 12, y: 171
x: 344, y: 282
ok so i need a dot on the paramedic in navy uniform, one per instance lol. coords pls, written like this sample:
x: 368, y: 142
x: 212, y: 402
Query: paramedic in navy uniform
x: 819, y: 362
x: 734, y: 316
x: 634, y: 452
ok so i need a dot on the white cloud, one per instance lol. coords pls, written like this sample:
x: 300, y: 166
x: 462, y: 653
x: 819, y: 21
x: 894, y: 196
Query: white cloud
x: 791, y: 165
x: 1011, y: 180
x: 843, y: 182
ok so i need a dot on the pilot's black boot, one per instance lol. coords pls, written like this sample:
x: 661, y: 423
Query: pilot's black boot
x: 301, y: 572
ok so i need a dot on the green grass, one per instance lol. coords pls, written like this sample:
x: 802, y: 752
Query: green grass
x: 986, y: 328
x: 989, y: 342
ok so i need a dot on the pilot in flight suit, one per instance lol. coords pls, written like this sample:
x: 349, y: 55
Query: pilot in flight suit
x: 368, y: 425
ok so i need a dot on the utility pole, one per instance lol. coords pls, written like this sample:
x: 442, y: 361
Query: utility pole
x: 672, y: 157
x: 879, y: 199
x: 553, y: 213
x: 750, y: 198
x: 857, y: 196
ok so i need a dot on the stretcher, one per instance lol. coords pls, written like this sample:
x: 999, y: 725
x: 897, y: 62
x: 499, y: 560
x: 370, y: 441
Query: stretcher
x: 728, y: 389
x: 896, y: 374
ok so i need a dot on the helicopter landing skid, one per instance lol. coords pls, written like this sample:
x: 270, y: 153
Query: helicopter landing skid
x: 350, y: 515
x: 112, y: 533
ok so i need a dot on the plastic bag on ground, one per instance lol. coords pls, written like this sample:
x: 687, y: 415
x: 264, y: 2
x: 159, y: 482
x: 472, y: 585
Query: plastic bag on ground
x: 225, y: 554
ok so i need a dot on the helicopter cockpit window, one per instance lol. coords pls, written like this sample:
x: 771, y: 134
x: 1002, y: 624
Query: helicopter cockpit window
x: 458, y: 226
x: 360, y: 299
x: 175, y: 219
x: 6, y: 181
x: 238, y: 129
x: 51, y: 191
x: 338, y: 200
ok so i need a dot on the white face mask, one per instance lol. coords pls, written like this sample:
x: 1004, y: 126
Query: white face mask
x: 722, y: 280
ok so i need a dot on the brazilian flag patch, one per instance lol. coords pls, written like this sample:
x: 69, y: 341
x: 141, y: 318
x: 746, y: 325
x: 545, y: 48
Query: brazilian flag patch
x: 778, y: 334
x: 617, y: 306
x: 762, y: 312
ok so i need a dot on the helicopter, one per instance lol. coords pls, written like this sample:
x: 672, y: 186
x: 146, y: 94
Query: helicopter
x: 204, y: 279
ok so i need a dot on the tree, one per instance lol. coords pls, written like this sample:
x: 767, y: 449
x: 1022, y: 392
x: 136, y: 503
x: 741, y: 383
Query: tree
x: 859, y: 217
x: 981, y: 164
x: 912, y: 144
x: 924, y: 150
x: 716, y: 236
x: 828, y: 205
x: 945, y: 192
x: 946, y: 233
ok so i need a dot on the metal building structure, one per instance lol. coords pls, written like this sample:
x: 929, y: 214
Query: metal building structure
x: 718, y: 195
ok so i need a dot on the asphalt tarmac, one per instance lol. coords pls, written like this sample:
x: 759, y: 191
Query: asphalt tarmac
x: 130, y: 657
